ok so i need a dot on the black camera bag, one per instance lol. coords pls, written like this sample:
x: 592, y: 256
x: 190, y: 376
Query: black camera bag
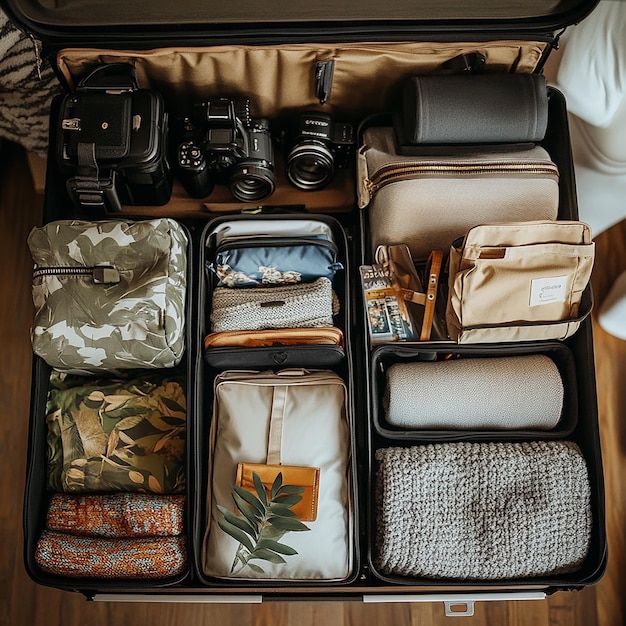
x: 112, y: 138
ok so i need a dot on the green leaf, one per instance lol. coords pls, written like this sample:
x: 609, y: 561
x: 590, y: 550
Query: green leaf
x: 290, y: 489
x: 270, y: 532
x: 235, y: 533
x: 275, y: 546
x: 280, y: 510
x: 267, y: 555
x: 277, y: 484
x: 288, y: 500
x: 238, y: 521
x: 285, y: 523
x: 260, y: 488
x: 255, y: 568
x: 249, y: 498
x: 251, y: 514
x: 172, y: 405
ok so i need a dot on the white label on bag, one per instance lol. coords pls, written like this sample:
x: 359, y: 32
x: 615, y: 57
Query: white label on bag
x: 548, y: 290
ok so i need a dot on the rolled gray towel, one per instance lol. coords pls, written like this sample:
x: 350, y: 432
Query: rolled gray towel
x: 500, y: 393
x: 482, y: 511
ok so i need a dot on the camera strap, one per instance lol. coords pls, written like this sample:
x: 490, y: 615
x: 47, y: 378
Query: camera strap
x: 94, y: 192
x: 87, y: 164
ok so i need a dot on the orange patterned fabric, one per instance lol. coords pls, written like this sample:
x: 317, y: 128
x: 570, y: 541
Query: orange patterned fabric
x: 117, y: 515
x: 97, y: 557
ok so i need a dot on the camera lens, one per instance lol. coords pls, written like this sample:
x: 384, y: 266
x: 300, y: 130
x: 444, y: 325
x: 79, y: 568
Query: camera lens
x: 310, y: 166
x: 252, y: 182
x: 253, y: 177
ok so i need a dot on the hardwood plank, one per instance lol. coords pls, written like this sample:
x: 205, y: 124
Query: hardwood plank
x: 23, y: 603
x: 19, y: 211
x: 610, y: 358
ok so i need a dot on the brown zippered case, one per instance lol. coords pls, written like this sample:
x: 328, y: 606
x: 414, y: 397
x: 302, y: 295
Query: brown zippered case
x: 349, y: 61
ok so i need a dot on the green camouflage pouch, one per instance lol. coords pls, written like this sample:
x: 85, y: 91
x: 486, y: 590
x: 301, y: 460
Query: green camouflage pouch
x: 109, y: 295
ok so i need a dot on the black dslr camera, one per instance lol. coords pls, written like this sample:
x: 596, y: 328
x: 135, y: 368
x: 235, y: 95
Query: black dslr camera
x: 112, y: 142
x: 221, y: 143
x: 315, y: 148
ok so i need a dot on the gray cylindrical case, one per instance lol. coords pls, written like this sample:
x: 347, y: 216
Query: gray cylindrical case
x: 482, y: 109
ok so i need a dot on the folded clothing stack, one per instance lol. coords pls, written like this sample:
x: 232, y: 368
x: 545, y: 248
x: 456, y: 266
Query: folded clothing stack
x: 116, y: 467
x: 114, y: 536
x: 302, y: 305
x: 272, y: 274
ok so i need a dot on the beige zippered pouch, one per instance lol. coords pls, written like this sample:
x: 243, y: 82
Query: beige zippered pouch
x: 519, y: 281
x: 293, y: 418
x: 426, y: 202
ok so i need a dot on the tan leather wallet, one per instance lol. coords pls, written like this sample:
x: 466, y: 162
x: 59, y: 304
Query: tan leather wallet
x: 306, y: 477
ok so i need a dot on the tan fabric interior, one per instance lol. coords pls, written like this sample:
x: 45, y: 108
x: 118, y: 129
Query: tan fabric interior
x: 279, y: 79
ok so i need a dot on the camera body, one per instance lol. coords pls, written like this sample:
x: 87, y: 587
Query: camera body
x: 221, y: 143
x: 317, y: 146
x: 112, y: 142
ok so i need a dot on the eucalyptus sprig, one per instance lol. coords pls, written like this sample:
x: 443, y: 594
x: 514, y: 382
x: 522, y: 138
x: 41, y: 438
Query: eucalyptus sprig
x: 263, y: 520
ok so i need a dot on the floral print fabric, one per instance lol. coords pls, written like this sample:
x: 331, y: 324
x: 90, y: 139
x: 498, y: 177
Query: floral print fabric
x: 116, y: 435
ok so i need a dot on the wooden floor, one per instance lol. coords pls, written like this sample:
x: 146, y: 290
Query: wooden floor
x: 22, y: 603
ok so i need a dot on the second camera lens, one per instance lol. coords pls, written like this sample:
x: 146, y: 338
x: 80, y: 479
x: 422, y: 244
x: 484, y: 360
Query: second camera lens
x: 310, y: 166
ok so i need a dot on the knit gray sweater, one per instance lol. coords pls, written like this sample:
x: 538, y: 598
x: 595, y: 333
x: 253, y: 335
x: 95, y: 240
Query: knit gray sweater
x: 481, y: 511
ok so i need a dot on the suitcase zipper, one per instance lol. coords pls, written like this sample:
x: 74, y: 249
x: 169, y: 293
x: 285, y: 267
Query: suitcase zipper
x: 263, y: 241
x: 38, y: 61
x: 297, y: 376
x: 101, y: 274
x: 397, y: 172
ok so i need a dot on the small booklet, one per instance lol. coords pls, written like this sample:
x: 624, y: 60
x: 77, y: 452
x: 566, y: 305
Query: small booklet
x: 387, y: 314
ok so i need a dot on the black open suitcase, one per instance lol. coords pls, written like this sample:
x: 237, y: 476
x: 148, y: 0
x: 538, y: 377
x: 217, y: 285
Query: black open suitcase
x: 346, y: 59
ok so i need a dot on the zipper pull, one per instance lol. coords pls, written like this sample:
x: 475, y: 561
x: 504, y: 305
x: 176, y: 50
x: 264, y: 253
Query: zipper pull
x: 105, y: 275
x: 371, y: 187
x: 37, y: 54
x: 71, y: 124
x: 554, y: 44
x: 100, y: 274
x: 324, y: 71
x: 472, y: 63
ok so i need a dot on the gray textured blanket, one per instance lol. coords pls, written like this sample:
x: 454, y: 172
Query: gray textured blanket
x: 482, y: 511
